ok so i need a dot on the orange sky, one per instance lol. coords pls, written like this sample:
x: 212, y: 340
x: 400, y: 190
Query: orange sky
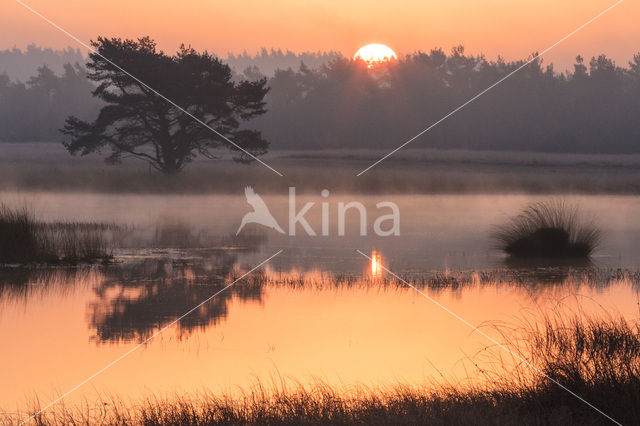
x: 513, y: 28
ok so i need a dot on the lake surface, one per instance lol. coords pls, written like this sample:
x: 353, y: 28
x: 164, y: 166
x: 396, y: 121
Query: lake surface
x: 318, y: 311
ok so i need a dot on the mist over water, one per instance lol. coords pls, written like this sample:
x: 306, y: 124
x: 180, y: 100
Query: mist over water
x: 436, y: 231
x: 180, y: 249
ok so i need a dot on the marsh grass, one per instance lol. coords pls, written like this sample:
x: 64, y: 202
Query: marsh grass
x: 27, y: 165
x: 529, y: 278
x: 548, y: 229
x: 18, y: 235
x: 585, y: 353
x: 25, y: 239
x: 598, y: 359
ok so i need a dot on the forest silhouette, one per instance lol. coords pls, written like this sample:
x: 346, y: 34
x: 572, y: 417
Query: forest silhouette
x: 341, y: 104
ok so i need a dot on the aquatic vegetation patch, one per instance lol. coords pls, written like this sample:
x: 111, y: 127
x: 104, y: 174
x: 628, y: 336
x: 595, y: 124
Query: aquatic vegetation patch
x: 25, y: 239
x: 548, y: 229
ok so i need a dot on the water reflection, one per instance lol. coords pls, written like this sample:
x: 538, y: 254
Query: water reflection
x: 315, y: 310
x: 376, y: 264
x: 293, y: 319
x: 128, y: 302
x: 20, y: 285
x: 137, y: 300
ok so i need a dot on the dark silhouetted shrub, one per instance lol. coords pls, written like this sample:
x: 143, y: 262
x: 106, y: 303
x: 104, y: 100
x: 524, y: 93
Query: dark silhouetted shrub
x: 548, y: 229
x: 24, y: 239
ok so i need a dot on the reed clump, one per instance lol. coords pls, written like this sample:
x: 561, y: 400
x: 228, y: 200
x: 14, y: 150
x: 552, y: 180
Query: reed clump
x: 548, y: 230
x: 25, y: 239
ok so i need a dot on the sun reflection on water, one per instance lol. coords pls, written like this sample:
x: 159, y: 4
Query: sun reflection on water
x: 376, y: 264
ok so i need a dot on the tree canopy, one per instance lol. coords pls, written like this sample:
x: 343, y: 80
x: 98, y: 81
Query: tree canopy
x: 138, y: 121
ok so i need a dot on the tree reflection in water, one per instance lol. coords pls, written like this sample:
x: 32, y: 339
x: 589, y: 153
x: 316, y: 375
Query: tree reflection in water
x: 130, y: 301
x: 136, y: 300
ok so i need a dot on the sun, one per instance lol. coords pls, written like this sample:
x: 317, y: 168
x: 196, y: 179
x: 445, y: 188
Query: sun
x: 375, y: 54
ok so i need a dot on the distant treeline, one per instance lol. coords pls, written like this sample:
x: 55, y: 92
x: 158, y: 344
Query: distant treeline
x: 268, y: 61
x: 22, y: 64
x: 342, y: 104
x: 36, y: 110
x: 594, y: 108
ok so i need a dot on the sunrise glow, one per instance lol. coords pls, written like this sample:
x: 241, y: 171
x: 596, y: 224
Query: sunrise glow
x: 375, y: 54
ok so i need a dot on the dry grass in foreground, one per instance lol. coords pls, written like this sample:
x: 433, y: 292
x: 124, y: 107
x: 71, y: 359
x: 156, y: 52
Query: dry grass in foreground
x: 599, y: 360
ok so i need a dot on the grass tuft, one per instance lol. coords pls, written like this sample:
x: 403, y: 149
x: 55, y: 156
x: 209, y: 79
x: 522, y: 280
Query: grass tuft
x: 24, y: 239
x: 18, y: 235
x: 548, y: 230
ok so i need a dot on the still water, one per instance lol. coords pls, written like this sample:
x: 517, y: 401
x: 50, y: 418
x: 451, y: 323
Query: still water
x: 318, y: 311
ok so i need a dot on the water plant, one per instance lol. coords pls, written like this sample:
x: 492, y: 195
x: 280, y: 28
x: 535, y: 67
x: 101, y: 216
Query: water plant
x: 548, y: 229
x: 25, y: 239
